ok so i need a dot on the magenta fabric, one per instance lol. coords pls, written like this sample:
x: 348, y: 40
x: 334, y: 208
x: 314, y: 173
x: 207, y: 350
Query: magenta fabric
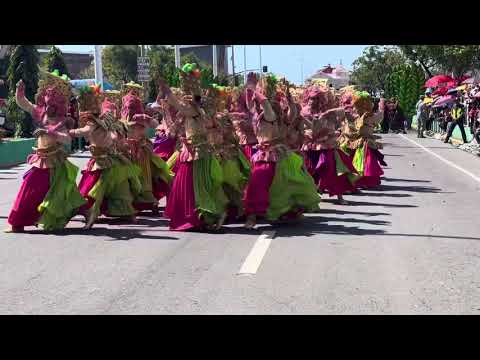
x: 249, y: 150
x: 329, y: 181
x: 87, y: 182
x: 372, y: 171
x: 257, y: 193
x: 35, y: 186
x: 164, y: 147
x: 180, y: 207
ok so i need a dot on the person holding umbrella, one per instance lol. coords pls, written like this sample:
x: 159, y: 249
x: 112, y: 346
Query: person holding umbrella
x: 458, y: 117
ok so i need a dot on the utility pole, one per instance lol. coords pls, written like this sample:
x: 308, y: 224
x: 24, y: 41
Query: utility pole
x: 177, y: 56
x: 260, y: 56
x: 233, y: 66
x: 98, y: 65
x: 215, y: 61
x: 245, y: 64
x: 301, y: 71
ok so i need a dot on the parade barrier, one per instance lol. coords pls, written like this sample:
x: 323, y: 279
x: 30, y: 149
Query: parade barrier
x: 457, y: 135
x: 15, y: 151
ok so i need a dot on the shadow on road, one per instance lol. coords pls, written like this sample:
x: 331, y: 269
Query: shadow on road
x: 342, y: 212
x: 404, y: 180
x: 112, y: 234
x: 381, y: 194
x: 417, y: 189
x: 312, y: 227
x: 365, y: 203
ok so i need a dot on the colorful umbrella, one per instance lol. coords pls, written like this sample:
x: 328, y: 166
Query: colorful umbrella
x: 444, y: 100
x: 452, y: 91
x: 440, y: 91
x: 470, y: 80
x: 437, y: 80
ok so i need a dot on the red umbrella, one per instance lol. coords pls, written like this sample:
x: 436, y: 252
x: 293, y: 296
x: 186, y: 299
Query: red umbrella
x: 441, y: 91
x: 437, y: 80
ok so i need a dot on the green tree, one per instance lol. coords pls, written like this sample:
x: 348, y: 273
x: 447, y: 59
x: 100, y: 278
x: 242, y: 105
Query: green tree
x: 23, y: 65
x: 371, y: 69
x: 55, y: 61
x: 120, y: 63
x: 434, y: 59
x: 162, y: 65
x: 406, y: 83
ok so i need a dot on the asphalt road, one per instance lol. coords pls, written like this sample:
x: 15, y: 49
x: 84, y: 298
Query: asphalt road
x: 411, y: 247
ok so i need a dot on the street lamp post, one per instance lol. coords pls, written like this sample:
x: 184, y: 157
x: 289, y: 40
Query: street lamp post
x: 98, y: 65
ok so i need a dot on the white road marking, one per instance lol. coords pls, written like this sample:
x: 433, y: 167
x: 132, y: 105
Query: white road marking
x: 259, y: 249
x: 466, y: 172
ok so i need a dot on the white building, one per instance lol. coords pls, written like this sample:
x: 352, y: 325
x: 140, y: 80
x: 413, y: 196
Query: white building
x: 336, y: 76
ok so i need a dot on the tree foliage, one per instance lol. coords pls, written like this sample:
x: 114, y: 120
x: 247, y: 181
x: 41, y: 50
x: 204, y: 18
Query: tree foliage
x: 23, y: 65
x: 447, y: 59
x: 405, y: 83
x: 120, y: 63
x: 55, y: 61
x: 162, y: 65
x: 371, y: 69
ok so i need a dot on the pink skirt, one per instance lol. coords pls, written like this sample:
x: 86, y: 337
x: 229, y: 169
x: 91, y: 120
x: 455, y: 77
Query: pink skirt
x: 326, y: 170
x: 87, y: 182
x: 180, y: 207
x: 372, y: 171
x: 257, y: 195
x: 35, y: 186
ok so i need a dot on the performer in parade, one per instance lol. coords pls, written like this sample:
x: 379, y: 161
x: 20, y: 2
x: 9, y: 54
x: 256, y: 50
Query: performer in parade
x: 49, y: 195
x: 155, y: 176
x: 196, y: 200
x: 110, y: 180
x: 279, y: 188
x: 368, y: 158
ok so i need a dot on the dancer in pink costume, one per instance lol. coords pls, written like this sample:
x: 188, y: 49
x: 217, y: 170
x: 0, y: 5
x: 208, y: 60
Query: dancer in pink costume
x: 279, y: 188
x: 110, y: 180
x: 368, y: 158
x: 316, y: 101
x: 196, y: 200
x: 334, y: 170
x: 49, y: 195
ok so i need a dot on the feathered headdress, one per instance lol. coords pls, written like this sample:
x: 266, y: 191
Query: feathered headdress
x: 190, y: 79
x: 89, y: 99
x: 51, y: 81
x: 362, y: 102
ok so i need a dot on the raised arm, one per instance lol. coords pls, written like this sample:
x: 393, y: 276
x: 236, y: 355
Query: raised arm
x: 21, y: 100
x: 172, y: 100
x: 266, y: 106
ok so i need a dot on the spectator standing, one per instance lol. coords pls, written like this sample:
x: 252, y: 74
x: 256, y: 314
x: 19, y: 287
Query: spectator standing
x: 458, y: 117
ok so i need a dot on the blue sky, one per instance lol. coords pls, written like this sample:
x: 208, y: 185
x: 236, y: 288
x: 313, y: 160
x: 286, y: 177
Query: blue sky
x: 284, y: 59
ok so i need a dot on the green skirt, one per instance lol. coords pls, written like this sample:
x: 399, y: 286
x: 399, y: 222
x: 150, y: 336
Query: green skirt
x: 210, y: 199
x: 120, y: 184
x: 236, y: 173
x: 292, y: 188
x: 62, y: 200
